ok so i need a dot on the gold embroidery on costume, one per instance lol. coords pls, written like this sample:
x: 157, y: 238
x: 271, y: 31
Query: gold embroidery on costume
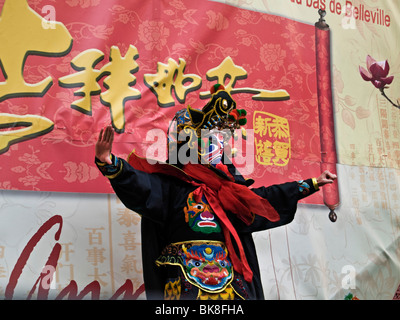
x: 227, y: 294
x: 172, y: 290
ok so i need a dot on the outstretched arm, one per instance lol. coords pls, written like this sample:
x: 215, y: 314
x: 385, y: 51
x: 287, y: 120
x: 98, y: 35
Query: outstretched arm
x: 284, y: 198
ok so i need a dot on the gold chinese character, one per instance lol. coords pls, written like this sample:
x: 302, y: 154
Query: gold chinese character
x: 170, y: 76
x: 279, y: 128
x: 272, y: 139
x: 86, y: 77
x: 264, y: 152
x: 32, y: 127
x: 281, y: 153
x: 22, y: 34
x: 228, y: 70
x: 260, y: 126
x: 118, y: 84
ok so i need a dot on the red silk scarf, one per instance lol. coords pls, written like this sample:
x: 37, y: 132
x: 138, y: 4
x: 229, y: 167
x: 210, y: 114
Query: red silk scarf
x: 223, y: 196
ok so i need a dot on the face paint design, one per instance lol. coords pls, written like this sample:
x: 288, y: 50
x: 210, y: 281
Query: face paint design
x: 200, y: 216
x: 208, y: 266
x: 212, y: 147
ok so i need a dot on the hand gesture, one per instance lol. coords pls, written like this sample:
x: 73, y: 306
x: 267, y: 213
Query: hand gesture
x: 325, y: 178
x: 104, y: 144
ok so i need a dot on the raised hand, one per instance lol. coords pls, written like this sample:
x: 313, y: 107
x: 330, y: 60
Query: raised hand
x: 104, y: 144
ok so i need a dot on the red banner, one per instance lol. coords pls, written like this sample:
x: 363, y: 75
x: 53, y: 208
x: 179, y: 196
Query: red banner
x: 132, y: 64
x: 325, y: 102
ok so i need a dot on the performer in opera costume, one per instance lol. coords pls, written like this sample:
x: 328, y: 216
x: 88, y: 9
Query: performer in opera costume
x: 198, y: 216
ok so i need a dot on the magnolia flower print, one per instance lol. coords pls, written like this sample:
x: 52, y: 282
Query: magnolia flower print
x: 377, y: 73
x: 153, y: 34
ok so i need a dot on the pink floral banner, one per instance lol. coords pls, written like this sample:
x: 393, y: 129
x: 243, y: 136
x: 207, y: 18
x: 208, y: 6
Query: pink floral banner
x: 86, y: 64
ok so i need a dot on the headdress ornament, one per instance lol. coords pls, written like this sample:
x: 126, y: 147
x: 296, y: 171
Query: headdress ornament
x: 219, y: 113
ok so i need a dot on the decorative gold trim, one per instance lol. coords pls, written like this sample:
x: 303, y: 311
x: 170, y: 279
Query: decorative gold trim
x: 315, y: 183
x: 113, y: 176
x: 195, y: 242
x: 230, y: 286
